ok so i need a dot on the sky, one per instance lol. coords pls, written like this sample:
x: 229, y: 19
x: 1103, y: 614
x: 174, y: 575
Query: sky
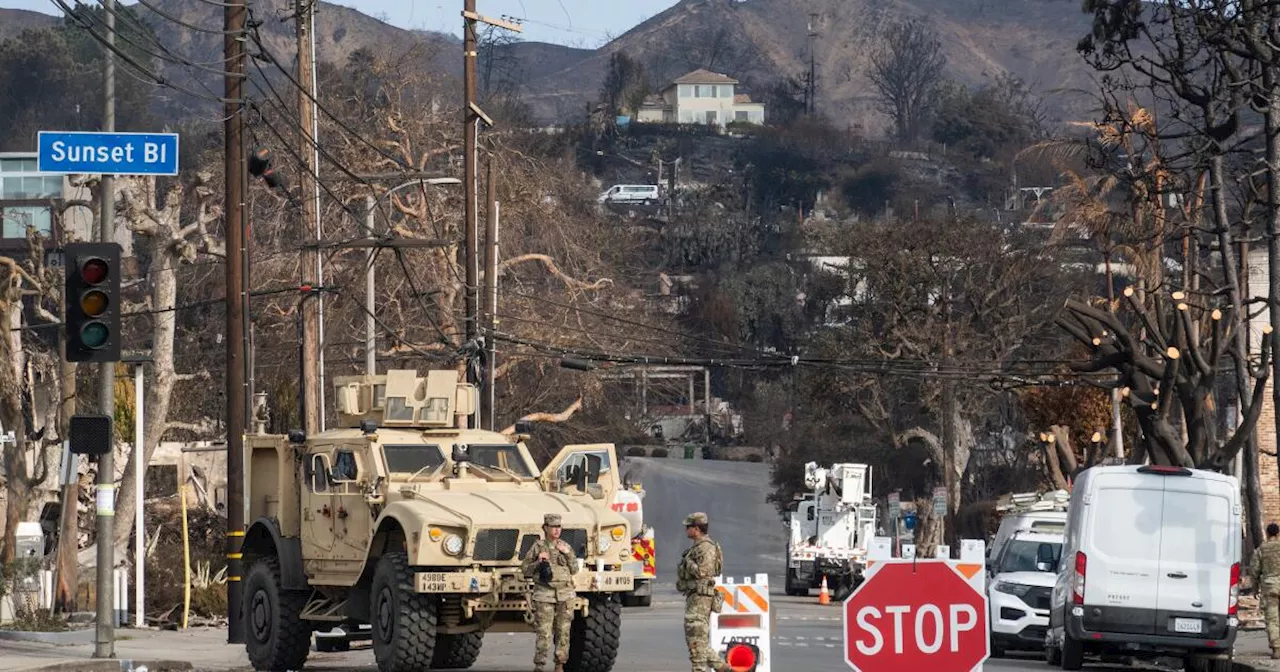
x: 577, y: 23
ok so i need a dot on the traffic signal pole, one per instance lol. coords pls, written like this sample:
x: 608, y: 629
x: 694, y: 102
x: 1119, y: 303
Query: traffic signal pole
x: 104, y: 645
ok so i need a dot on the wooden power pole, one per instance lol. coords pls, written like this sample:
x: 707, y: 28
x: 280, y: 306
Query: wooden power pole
x: 311, y: 391
x: 234, y: 183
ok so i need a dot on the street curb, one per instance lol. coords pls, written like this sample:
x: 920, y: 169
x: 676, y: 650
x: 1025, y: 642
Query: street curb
x: 65, y: 638
x: 117, y: 665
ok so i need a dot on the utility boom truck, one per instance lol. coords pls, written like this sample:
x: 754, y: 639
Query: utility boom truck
x: 404, y: 520
x: 831, y: 528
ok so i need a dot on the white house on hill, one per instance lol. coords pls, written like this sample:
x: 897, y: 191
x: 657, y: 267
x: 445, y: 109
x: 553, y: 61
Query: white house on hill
x: 701, y: 97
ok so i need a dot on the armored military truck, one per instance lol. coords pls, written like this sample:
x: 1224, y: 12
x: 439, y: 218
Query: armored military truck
x: 404, y: 520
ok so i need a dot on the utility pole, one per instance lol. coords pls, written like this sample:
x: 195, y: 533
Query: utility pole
x: 470, y: 222
x: 104, y: 645
x: 473, y: 115
x: 237, y: 398
x: 490, y: 301
x: 811, y: 82
x: 313, y: 404
x: 370, y: 339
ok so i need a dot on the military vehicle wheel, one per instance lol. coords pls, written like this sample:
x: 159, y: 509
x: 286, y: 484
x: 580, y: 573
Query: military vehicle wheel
x: 457, y: 651
x: 276, y: 637
x: 594, y: 638
x: 404, y: 621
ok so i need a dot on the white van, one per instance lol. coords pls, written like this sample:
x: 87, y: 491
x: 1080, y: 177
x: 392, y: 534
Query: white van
x: 1150, y: 567
x: 1022, y: 578
x: 631, y: 193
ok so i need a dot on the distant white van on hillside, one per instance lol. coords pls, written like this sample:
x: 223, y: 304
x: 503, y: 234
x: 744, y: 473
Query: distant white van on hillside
x: 631, y: 193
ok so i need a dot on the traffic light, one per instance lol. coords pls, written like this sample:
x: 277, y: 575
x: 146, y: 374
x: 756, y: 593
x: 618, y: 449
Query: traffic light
x: 260, y: 166
x: 92, y: 302
x: 91, y: 434
x: 742, y: 657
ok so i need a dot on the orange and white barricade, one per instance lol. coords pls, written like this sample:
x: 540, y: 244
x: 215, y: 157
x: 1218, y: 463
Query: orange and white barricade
x: 742, y: 630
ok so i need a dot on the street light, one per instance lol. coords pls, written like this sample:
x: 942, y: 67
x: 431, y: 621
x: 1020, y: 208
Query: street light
x: 370, y: 341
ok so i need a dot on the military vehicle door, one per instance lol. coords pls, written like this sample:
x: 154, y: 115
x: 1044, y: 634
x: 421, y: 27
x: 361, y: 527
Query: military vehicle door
x: 317, y: 503
x: 351, y: 472
x: 590, y: 468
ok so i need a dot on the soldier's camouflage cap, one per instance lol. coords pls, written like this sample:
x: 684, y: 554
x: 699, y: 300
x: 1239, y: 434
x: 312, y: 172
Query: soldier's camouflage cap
x: 551, y: 520
x: 695, y: 519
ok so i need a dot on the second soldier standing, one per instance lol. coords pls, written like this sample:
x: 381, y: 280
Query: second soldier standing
x: 1265, y: 571
x: 551, y: 564
x: 696, y: 578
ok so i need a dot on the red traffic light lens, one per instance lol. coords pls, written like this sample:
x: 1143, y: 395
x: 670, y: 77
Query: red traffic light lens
x: 741, y: 657
x: 94, y: 271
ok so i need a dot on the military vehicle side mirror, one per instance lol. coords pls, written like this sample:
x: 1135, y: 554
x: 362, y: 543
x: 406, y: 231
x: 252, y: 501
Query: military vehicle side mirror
x: 810, y: 513
x: 524, y: 427
x: 460, y: 454
x: 368, y: 426
x: 297, y: 436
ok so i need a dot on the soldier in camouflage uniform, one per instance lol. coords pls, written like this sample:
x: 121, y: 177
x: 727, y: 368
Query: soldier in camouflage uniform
x: 696, y: 576
x: 551, y: 564
x: 1265, y: 571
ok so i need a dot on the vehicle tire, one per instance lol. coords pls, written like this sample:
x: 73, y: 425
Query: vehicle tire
x: 594, y: 638
x: 276, y: 637
x: 793, y: 586
x: 457, y: 651
x: 1052, y: 655
x: 1072, y: 653
x: 404, y: 622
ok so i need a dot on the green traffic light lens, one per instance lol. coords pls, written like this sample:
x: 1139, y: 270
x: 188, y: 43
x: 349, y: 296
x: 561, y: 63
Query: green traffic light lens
x: 94, y: 335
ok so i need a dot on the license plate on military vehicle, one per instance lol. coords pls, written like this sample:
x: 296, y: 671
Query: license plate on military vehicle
x: 432, y: 582
x: 1191, y: 626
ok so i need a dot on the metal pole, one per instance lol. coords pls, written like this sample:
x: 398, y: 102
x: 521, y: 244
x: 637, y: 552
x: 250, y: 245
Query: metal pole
x: 310, y: 258
x: 233, y: 44
x: 472, y: 129
x: 139, y: 524
x: 104, y: 634
x: 706, y: 396
x: 370, y: 337
x: 315, y: 184
x: 491, y: 302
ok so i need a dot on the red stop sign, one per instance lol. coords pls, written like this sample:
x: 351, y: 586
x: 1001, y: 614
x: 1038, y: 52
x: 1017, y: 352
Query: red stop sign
x: 915, y: 616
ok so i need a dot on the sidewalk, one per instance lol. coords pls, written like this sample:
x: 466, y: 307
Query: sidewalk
x: 159, y: 650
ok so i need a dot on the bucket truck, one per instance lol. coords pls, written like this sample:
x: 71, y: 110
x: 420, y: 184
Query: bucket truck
x: 831, y: 528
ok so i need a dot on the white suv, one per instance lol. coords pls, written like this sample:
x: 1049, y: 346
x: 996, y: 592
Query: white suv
x: 1022, y: 577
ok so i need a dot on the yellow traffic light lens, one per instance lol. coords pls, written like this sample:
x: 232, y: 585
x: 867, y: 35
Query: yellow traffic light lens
x: 94, y: 335
x: 94, y: 303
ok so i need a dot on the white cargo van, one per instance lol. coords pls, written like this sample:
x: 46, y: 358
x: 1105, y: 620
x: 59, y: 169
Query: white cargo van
x: 1150, y: 567
x: 631, y: 193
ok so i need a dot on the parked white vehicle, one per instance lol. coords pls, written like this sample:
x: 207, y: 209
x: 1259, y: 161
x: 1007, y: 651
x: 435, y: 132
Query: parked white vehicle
x: 831, y: 529
x: 1022, y: 578
x: 631, y: 193
x: 1150, y: 567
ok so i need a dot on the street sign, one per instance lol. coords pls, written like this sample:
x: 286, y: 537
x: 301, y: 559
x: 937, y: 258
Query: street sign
x: 939, y: 501
x: 921, y: 615
x: 895, y: 505
x: 108, y: 153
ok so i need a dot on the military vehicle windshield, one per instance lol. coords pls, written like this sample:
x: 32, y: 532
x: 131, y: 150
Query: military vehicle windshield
x: 411, y: 458
x: 500, y: 456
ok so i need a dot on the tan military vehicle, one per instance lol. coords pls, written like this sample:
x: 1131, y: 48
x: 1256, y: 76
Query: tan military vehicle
x: 402, y: 520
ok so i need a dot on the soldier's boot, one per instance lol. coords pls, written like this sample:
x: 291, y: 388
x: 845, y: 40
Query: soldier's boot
x: 559, y: 667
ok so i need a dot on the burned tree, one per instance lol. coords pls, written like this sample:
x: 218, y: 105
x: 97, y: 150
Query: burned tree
x: 1168, y: 374
x: 906, y: 71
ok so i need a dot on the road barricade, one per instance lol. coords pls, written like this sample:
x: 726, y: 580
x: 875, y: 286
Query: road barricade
x: 742, y: 630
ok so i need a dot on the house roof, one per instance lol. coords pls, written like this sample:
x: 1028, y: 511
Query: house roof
x: 652, y: 102
x: 704, y: 76
x: 741, y: 98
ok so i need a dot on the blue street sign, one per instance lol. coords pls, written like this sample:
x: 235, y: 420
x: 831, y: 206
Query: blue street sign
x: 108, y: 153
